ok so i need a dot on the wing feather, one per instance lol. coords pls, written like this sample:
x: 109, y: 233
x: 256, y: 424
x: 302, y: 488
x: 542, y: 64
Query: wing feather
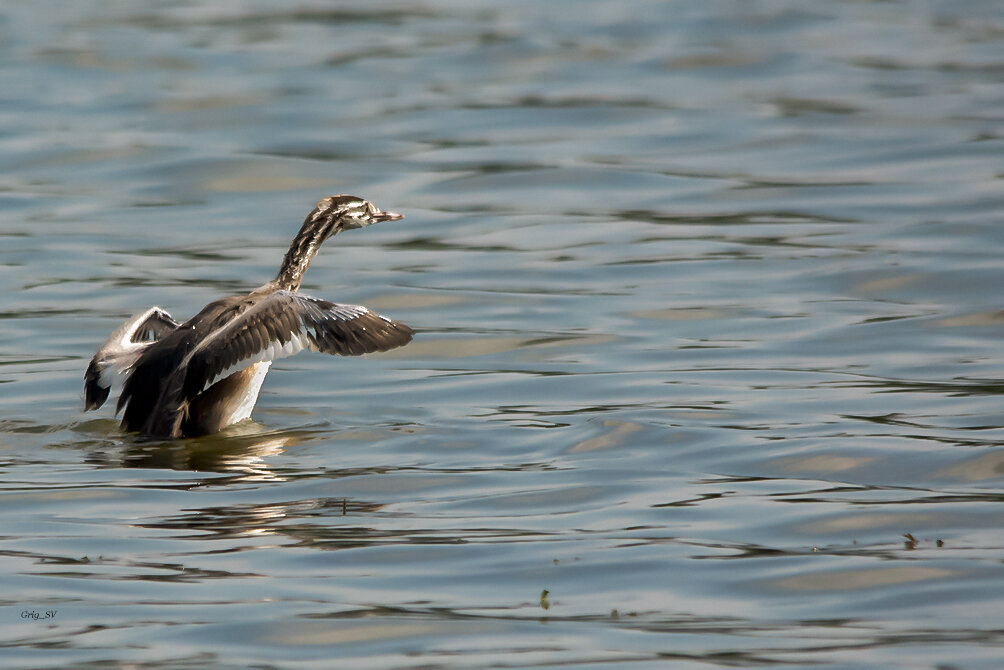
x: 282, y: 324
x: 120, y: 352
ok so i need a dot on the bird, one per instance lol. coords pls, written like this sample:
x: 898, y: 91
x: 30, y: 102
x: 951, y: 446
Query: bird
x: 198, y: 377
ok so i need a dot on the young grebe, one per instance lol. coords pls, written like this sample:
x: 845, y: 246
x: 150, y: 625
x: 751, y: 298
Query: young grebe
x: 200, y: 376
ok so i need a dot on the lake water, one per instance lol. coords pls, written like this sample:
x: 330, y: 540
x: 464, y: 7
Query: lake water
x: 709, y: 369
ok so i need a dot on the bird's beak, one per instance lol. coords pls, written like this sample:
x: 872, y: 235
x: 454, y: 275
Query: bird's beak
x: 379, y: 216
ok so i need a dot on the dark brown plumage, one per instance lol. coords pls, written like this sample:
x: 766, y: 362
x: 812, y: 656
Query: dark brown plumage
x: 198, y: 377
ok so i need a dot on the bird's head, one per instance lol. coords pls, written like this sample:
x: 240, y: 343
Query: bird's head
x: 330, y: 216
x: 345, y: 212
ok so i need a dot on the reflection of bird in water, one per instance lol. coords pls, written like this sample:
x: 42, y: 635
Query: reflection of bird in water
x: 200, y: 376
x: 244, y: 452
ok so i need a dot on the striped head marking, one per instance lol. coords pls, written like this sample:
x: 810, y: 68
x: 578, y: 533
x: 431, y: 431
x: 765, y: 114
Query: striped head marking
x: 349, y: 211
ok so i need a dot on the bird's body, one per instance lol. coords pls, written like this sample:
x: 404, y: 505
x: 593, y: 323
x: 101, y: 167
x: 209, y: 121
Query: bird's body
x: 202, y: 375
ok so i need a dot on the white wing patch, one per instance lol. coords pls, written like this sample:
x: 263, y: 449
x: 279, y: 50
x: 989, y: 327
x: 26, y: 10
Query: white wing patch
x: 274, y: 351
x: 115, y: 359
x: 304, y: 337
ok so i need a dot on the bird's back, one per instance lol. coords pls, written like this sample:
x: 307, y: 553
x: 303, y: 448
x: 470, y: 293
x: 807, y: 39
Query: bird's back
x: 153, y: 395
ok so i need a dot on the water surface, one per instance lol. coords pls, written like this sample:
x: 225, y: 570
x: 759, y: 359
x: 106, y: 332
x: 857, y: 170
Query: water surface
x: 710, y: 334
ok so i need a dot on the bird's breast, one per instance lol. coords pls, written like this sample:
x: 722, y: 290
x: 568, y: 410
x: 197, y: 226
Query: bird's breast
x: 227, y: 401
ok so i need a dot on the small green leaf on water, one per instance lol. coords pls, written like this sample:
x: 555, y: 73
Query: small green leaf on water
x: 543, y: 599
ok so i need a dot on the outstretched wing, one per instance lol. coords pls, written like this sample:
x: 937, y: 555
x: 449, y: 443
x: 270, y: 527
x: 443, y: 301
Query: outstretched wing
x: 118, y: 354
x: 283, y: 324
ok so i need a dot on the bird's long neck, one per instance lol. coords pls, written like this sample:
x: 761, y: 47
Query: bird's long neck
x: 302, y: 250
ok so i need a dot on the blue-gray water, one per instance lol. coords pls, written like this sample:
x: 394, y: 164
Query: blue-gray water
x: 711, y: 341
